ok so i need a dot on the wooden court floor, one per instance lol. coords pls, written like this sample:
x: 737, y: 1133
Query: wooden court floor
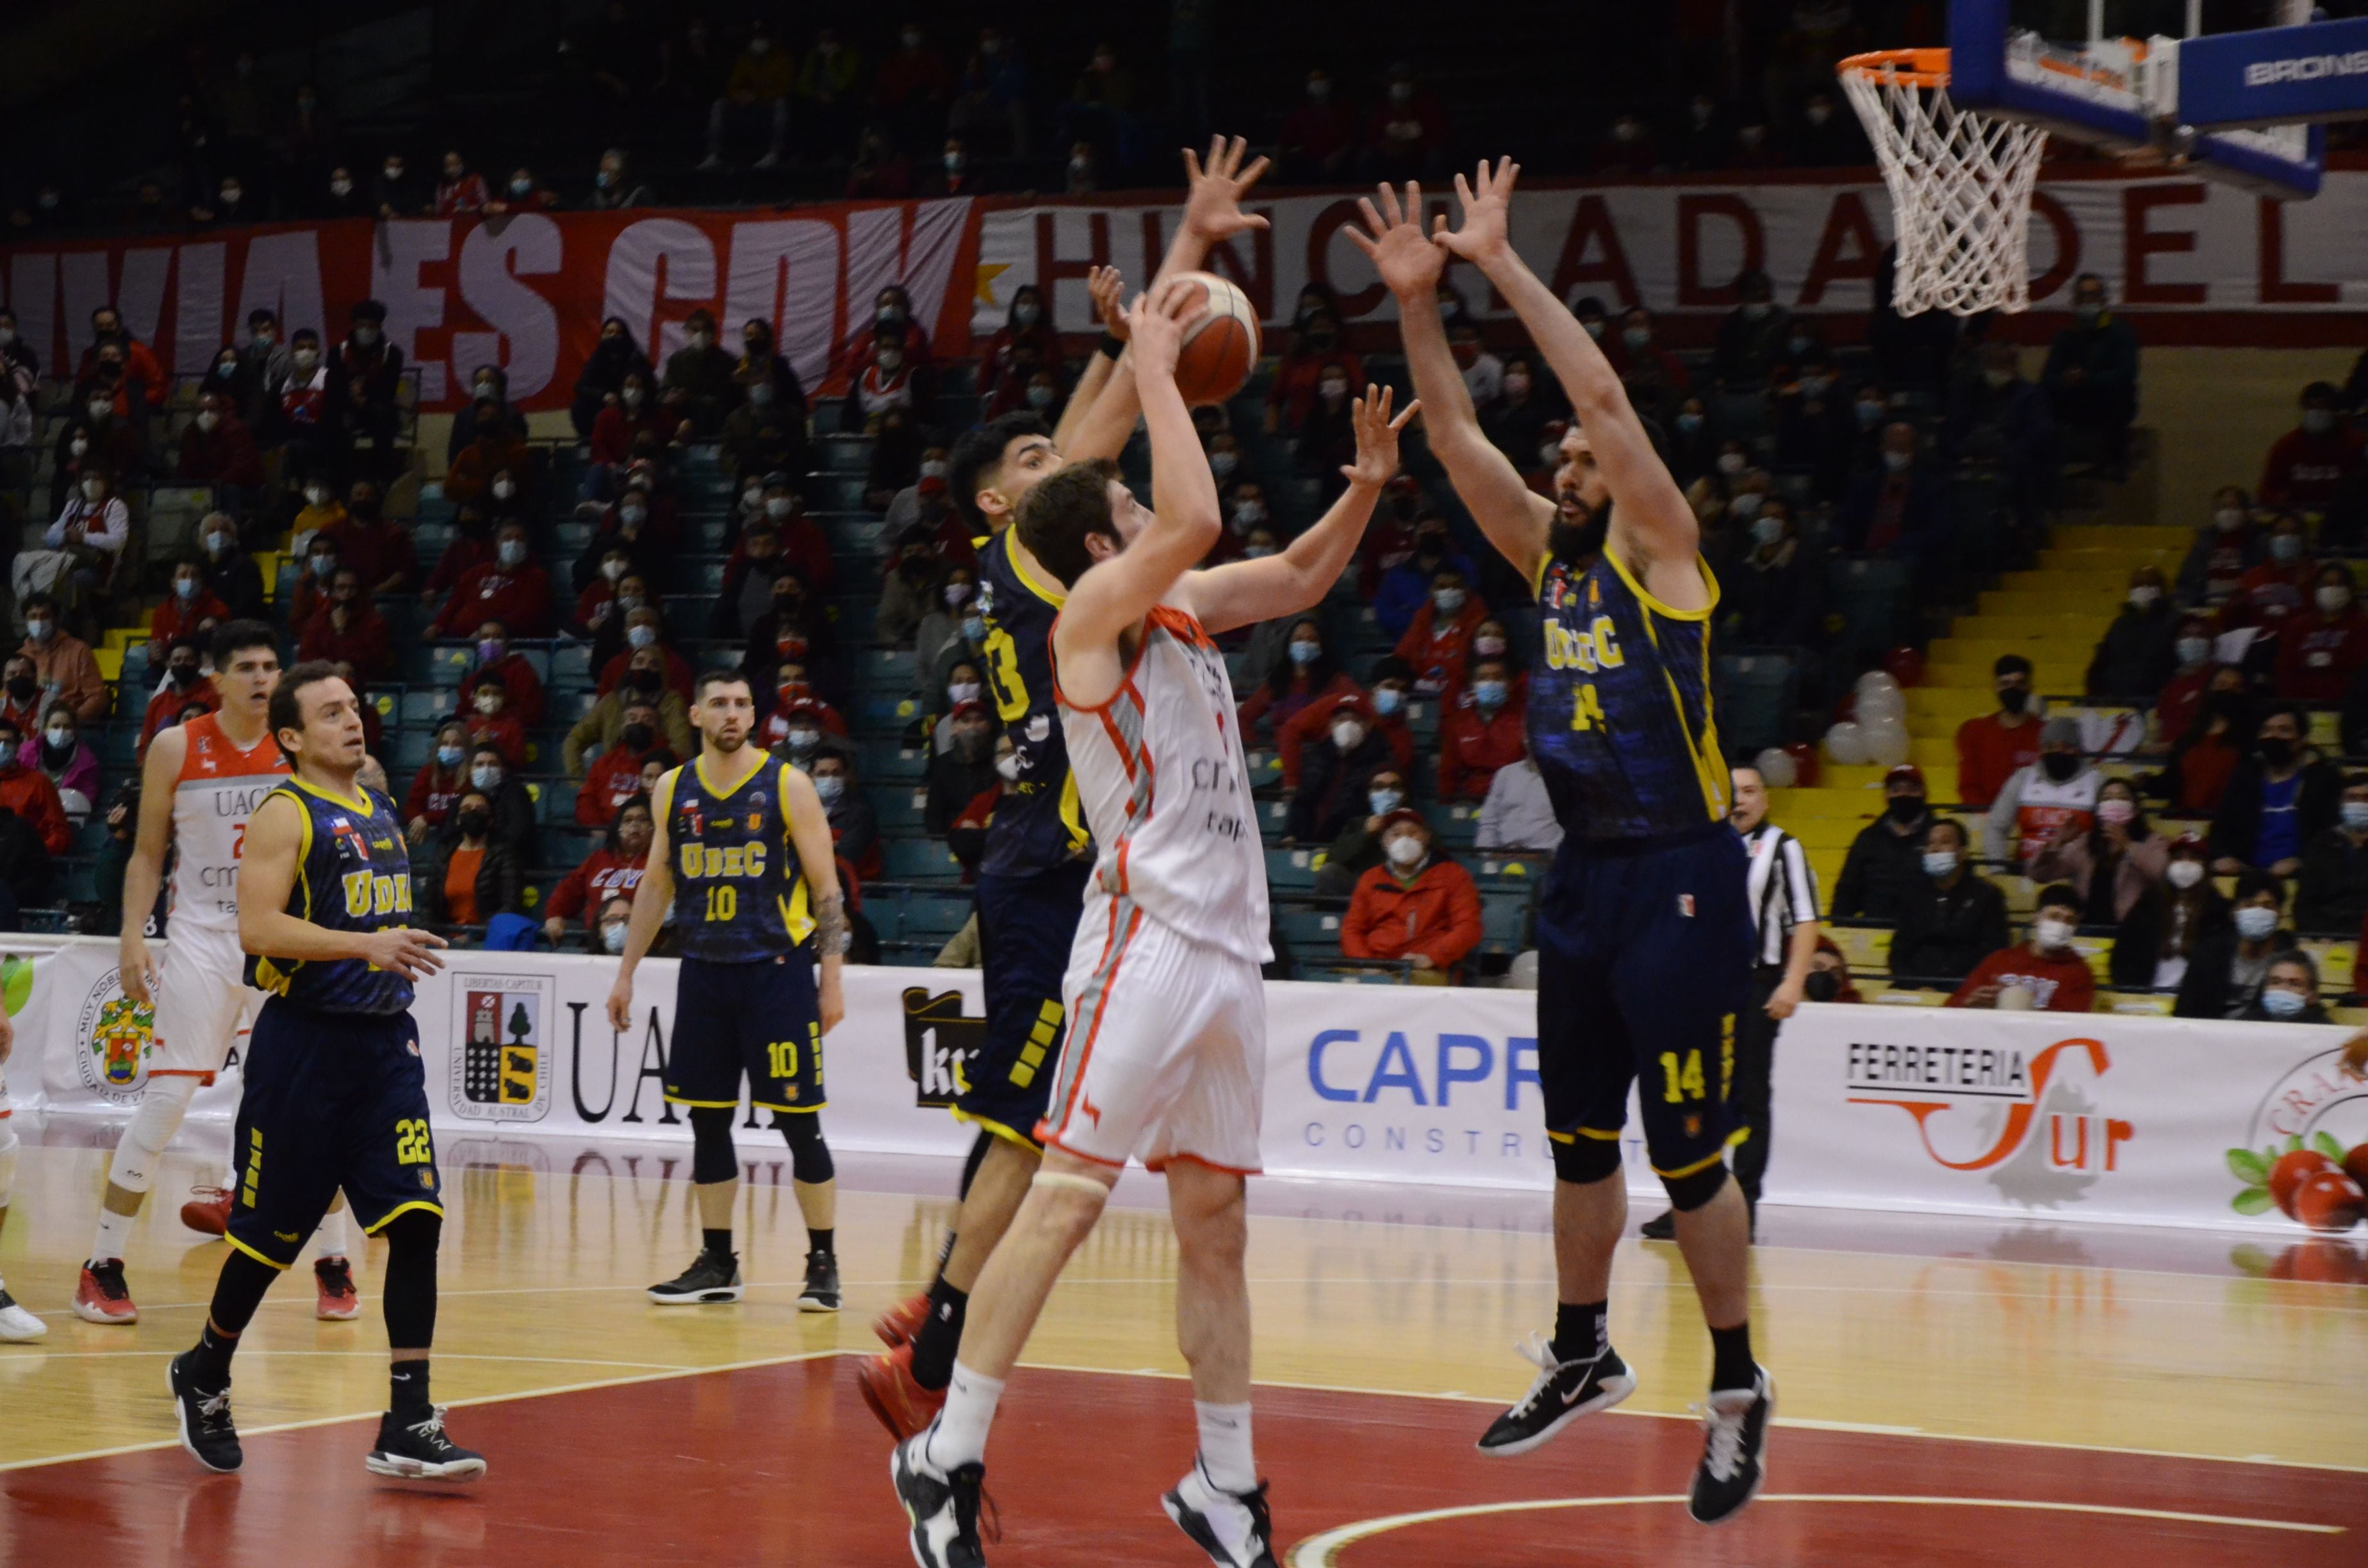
x: 1949, y: 1392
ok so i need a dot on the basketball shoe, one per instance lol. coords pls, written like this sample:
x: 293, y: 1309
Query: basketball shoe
x: 1735, y: 1439
x: 339, y: 1301
x: 942, y: 1508
x: 101, y: 1296
x: 709, y: 1279
x: 207, y: 1431
x: 417, y: 1449
x: 904, y: 1406
x: 18, y: 1326
x: 901, y: 1324
x: 209, y: 1211
x: 1563, y: 1392
x: 821, y: 1292
x: 1233, y: 1528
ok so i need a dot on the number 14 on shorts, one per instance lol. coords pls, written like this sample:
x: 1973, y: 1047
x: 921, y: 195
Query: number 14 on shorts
x: 1682, y: 1077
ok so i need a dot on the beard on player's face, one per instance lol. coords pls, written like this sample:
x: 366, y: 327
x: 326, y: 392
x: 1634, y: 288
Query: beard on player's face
x: 1570, y: 538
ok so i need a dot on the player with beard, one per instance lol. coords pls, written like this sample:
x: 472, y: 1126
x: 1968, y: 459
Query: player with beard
x: 1644, y: 938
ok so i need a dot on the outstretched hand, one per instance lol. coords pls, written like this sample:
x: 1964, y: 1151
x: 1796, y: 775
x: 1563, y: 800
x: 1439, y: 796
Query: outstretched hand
x: 1107, y: 288
x: 1487, y: 201
x: 1212, y: 210
x: 1156, y: 324
x: 1393, y: 240
x: 1377, y: 436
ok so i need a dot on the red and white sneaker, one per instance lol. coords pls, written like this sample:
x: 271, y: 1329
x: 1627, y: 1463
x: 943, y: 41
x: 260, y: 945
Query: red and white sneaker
x: 903, y: 1406
x: 209, y: 1211
x: 339, y: 1301
x: 901, y: 1323
x: 102, y: 1296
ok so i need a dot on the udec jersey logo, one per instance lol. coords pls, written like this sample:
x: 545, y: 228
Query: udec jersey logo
x: 2028, y: 1124
x: 499, y: 1047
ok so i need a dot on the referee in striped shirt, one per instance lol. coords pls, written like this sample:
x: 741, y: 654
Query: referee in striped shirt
x: 1785, y: 916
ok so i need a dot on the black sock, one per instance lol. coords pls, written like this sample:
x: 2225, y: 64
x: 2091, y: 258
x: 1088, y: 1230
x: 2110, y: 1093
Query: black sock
x: 210, y: 1363
x: 819, y: 1241
x: 407, y: 1388
x: 718, y: 1242
x: 1579, y: 1330
x: 946, y: 1252
x: 939, y: 1341
x: 1730, y: 1359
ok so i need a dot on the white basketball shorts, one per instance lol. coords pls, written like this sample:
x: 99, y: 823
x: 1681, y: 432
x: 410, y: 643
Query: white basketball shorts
x: 203, y: 1002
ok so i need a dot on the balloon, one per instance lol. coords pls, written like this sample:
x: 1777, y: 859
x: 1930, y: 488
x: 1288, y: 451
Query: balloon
x: 1845, y: 745
x: 1805, y: 767
x: 1886, y: 743
x: 1885, y: 704
x: 1876, y: 680
x: 1906, y: 664
x: 1776, y: 767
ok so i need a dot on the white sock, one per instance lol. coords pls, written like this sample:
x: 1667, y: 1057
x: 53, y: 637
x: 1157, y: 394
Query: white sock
x: 1225, y: 1446
x: 112, y: 1229
x: 329, y: 1241
x: 959, y: 1436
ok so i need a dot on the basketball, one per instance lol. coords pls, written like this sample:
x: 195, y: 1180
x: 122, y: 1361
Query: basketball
x: 1219, y: 354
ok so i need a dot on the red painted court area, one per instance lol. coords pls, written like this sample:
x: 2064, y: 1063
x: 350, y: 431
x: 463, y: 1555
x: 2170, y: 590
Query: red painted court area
x: 781, y: 1465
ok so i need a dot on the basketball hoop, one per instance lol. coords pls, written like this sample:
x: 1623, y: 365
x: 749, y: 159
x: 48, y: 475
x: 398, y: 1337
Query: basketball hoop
x: 1960, y: 184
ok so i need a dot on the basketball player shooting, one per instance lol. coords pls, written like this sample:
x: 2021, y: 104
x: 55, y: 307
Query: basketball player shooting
x: 1643, y: 936
x: 1166, y: 1052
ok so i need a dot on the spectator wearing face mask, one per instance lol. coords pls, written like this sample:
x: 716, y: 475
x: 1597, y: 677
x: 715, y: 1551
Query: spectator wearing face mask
x: 321, y: 512
x: 2177, y: 705
x: 93, y: 530
x: 2206, y: 757
x: 700, y: 374
x: 374, y: 545
x: 500, y: 665
x: 1657, y: 380
x: 182, y: 684
x: 1518, y: 815
x: 2225, y: 547
x: 2091, y: 377
x: 962, y: 770
x: 800, y: 722
x: 1027, y: 324
x: 2308, y: 465
x: 643, y: 634
x: 463, y: 189
x: 1751, y: 337
x: 490, y: 723
x: 1484, y: 731
x: 141, y: 376
x: 1955, y: 918
x: 854, y: 829
x: 2136, y: 654
x: 1406, y: 586
x: 1357, y: 848
x: 601, y: 385
x: 919, y: 592
x: 1516, y: 423
x: 55, y: 749
x: 884, y: 382
x: 428, y: 802
x: 2289, y: 992
x: 892, y: 318
x: 1416, y: 906
x: 1384, y: 712
x: 757, y: 557
x: 610, y: 873
x: 21, y: 697
x: 472, y: 875
x: 596, y: 606
x: 27, y: 793
x: 1438, y: 641
x: 1312, y: 350
x: 1993, y: 746
x: 365, y: 381
x: 2054, y: 794
x: 615, y: 776
x: 2273, y: 594
x: 489, y: 398
x: 183, y: 611
x: 755, y: 104
x: 801, y: 546
x: 644, y: 680
x: 642, y: 523
x: 216, y: 448
x: 512, y: 589
x: 1898, y: 509
x: 2278, y: 799
x: 2113, y: 864
x: 1886, y: 859
x: 309, y: 594
x: 62, y: 663
x: 499, y: 451
x: 1318, y: 141
x: 2322, y: 649
x: 491, y: 776
x: 2162, y: 931
x: 523, y: 193
x: 1303, y: 673
x: 1775, y: 594
x: 931, y: 507
x: 348, y: 629
x: 2046, y: 966
x: 1335, y: 775
x: 2226, y: 974
x: 2331, y: 892
x: 760, y: 434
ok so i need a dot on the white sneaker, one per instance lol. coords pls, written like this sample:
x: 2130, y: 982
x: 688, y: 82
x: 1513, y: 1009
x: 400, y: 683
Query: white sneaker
x: 1232, y: 1528
x: 18, y: 1326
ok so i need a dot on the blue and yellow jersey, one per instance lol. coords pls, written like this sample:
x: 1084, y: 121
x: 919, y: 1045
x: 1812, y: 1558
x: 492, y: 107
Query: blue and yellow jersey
x: 739, y: 890
x: 353, y: 873
x: 1037, y: 824
x: 1620, y: 718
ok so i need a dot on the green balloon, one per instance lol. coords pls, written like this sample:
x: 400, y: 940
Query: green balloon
x: 15, y: 981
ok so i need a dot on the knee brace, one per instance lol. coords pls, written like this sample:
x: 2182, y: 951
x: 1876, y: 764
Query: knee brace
x: 810, y: 1160
x: 1688, y: 1193
x: 712, y: 1158
x: 1581, y: 1160
x: 407, y: 1289
x: 7, y: 1159
x: 141, y: 1149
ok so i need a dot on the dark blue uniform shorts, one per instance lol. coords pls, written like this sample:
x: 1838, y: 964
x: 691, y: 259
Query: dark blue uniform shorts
x: 762, y: 1019
x: 1026, y: 926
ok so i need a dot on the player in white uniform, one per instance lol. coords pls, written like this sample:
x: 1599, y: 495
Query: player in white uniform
x: 16, y: 1325
x: 200, y: 784
x: 1166, y: 1055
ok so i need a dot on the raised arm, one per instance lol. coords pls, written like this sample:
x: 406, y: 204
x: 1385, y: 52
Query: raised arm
x: 1652, y: 527
x: 1244, y: 592
x: 1116, y: 593
x: 1212, y: 214
x: 1514, y: 517
x: 1105, y: 284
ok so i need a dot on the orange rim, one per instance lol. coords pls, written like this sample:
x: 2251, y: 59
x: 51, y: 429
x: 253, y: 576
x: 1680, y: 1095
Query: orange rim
x: 1916, y: 67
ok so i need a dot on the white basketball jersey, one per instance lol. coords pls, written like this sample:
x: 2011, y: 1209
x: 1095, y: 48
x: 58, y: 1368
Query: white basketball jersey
x: 1166, y: 790
x: 2045, y: 808
x: 218, y: 791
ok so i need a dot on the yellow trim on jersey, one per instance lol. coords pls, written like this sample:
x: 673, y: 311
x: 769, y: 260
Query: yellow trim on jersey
x: 700, y: 768
x: 1073, y: 817
x: 1055, y: 599
x: 362, y: 805
x: 1538, y: 577
x: 791, y: 1110
x: 797, y: 909
x: 1010, y: 1135
x: 1656, y: 606
x: 1714, y: 779
x: 400, y: 1210
x: 703, y: 1104
x: 1738, y: 1137
x: 268, y: 975
x: 266, y: 1262
x: 1702, y: 1165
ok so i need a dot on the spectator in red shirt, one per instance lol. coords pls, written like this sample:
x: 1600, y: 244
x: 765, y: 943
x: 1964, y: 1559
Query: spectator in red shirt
x: 463, y: 191
x: 190, y: 609
x: 373, y: 544
x: 615, y: 776
x: 512, y: 589
x: 799, y: 718
x: 1405, y: 138
x: 141, y: 372
x: 2205, y: 756
x: 2309, y: 463
x: 1991, y: 748
x: 348, y: 629
x: 2274, y: 591
x: 1305, y: 672
x: 614, y: 427
x: 505, y: 667
x: 30, y: 794
x: 216, y: 448
x: 2321, y: 649
x: 646, y: 629
x: 1313, y: 349
x: 1483, y: 732
x: 185, y: 684
x: 490, y: 723
x: 1383, y: 708
x: 612, y: 870
x: 439, y: 783
x: 2223, y: 549
x: 470, y: 546
x: 1319, y: 137
x: 1413, y: 907
x: 2047, y: 966
x: 2182, y: 695
x: 1437, y: 642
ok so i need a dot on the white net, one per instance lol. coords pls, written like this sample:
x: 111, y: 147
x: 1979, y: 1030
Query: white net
x: 1961, y: 187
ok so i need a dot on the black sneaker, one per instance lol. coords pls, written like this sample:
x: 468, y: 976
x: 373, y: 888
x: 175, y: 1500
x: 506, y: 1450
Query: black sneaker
x: 1233, y: 1528
x: 821, y: 1294
x: 204, y: 1418
x: 943, y: 1508
x: 709, y: 1279
x: 1735, y: 1427
x: 1663, y: 1229
x: 1565, y: 1391
x: 417, y: 1449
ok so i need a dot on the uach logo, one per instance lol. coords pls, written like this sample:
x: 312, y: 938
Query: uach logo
x: 1979, y: 1108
